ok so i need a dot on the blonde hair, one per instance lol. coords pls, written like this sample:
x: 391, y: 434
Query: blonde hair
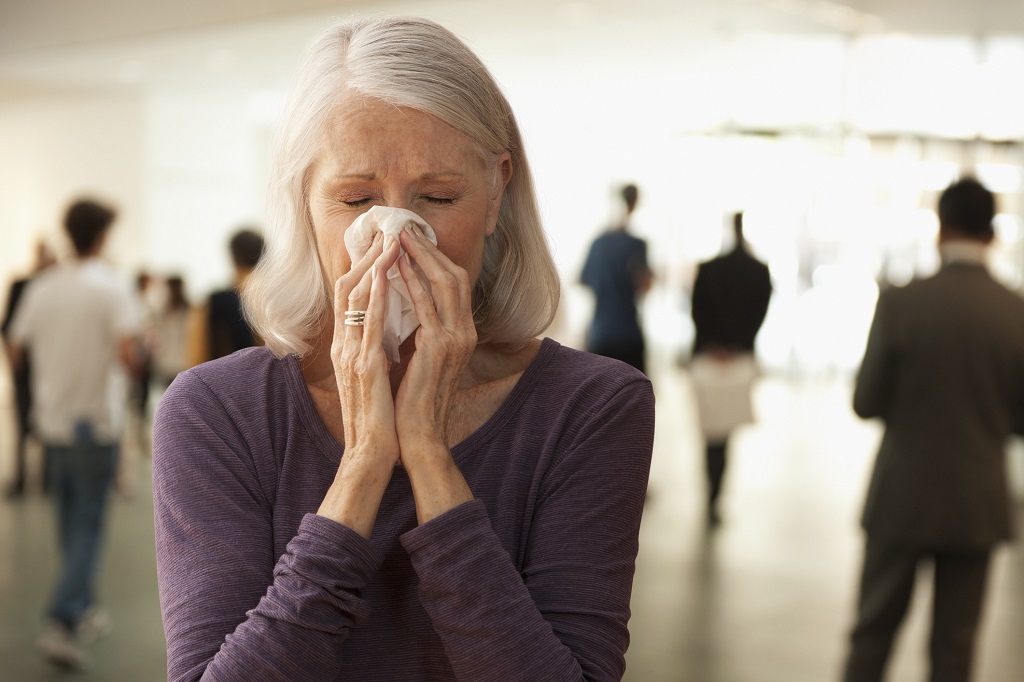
x: 420, y: 65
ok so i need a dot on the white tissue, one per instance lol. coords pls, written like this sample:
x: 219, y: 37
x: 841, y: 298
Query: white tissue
x: 400, y: 318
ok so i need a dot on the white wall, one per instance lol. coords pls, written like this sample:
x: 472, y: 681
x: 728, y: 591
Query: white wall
x: 58, y: 146
x: 205, y: 173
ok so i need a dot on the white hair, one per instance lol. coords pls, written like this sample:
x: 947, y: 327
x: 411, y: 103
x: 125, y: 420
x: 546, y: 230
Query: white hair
x: 417, y: 64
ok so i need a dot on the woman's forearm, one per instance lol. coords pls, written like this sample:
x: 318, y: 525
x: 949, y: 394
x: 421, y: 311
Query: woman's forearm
x: 354, y: 497
x: 437, y: 483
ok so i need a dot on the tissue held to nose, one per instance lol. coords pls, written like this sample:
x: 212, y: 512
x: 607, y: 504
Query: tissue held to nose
x: 400, y: 319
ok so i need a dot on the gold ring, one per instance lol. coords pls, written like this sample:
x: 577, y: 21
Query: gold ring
x: 355, y: 318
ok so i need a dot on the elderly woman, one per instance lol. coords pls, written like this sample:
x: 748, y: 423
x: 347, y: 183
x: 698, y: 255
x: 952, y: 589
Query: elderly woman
x: 467, y: 510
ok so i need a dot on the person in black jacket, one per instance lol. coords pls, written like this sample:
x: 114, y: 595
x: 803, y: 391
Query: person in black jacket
x: 21, y: 375
x: 730, y: 300
x: 228, y: 329
x: 218, y: 327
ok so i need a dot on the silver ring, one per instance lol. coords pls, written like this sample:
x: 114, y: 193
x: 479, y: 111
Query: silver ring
x: 355, y: 318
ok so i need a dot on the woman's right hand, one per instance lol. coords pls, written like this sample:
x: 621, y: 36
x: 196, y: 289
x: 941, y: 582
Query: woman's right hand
x: 362, y: 371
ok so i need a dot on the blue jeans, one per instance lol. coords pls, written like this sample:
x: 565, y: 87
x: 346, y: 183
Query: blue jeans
x: 80, y: 480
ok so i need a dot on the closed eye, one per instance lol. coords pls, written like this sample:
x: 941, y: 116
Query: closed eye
x: 355, y: 203
x: 441, y: 201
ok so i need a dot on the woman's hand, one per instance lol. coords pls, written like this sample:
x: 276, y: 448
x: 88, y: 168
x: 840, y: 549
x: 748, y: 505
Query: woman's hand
x: 445, y: 341
x: 362, y: 372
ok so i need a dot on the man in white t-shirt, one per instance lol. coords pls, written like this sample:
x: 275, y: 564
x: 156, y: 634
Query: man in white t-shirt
x: 79, y: 320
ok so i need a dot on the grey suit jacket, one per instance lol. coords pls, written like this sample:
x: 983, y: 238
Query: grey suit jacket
x: 944, y: 368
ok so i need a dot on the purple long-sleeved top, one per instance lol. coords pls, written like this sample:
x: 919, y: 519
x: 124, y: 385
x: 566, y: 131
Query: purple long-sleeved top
x: 529, y: 581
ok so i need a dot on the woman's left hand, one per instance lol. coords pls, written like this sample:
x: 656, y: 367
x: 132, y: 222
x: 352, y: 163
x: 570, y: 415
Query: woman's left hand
x: 445, y: 341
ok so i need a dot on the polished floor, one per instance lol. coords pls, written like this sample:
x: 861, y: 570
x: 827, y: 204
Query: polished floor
x: 766, y: 597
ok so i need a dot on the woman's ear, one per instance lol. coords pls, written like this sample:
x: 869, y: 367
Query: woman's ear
x: 502, y: 175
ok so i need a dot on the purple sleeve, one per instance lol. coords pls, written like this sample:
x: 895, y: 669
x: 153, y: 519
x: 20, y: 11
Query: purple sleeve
x: 229, y: 612
x: 564, y: 616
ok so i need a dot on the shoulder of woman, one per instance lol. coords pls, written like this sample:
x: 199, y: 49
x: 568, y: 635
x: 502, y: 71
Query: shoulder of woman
x: 578, y: 376
x: 240, y: 376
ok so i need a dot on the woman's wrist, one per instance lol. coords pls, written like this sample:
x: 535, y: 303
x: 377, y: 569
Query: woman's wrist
x: 437, y: 483
x: 354, y: 497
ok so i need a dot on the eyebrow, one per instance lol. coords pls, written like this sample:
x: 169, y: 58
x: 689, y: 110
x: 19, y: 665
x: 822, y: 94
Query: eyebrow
x: 373, y: 176
x: 352, y: 176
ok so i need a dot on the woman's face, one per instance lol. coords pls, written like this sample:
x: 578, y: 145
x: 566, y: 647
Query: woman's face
x: 377, y: 154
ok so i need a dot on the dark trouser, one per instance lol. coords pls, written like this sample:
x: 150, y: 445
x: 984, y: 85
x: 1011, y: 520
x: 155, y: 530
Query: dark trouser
x: 715, y: 461
x: 887, y: 584
x: 23, y: 403
x: 81, y: 478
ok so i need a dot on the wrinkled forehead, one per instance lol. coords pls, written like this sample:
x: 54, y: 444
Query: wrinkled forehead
x: 364, y: 134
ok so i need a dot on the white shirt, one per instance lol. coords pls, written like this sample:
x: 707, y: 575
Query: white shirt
x: 170, y: 343
x: 963, y: 251
x: 71, y: 319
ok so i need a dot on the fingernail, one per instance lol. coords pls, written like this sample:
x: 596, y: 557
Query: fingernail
x: 417, y: 231
x: 408, y: 260
x: 373, y: 274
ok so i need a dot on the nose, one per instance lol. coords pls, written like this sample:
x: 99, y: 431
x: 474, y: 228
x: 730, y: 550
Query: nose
x: 398, y: 199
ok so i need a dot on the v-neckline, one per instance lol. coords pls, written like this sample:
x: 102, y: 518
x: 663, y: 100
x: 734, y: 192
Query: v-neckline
x: 333, y: 450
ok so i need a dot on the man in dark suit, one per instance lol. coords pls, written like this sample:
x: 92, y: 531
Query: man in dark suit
x: 730, y: 300
x: 944, y: 368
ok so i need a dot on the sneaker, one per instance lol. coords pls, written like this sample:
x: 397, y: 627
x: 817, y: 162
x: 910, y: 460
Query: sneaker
x: 59, y: 646
x: 95, y: 625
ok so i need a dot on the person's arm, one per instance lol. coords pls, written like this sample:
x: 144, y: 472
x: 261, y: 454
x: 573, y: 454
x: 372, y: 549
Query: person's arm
x: 15, y: 355
x: 197, y: 341
x: 564, y: 615
x: 229, y: 612
x: 588, y: 278
x: 127, y: 352
x: 873, y: 391
x: 643, y: 278
x: 700, y: 299
x: 765, y: 291
x: 231, y: 609
x: 16, y: 324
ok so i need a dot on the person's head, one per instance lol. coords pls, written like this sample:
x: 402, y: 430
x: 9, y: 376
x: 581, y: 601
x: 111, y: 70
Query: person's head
x: 737, y: 225
x: 333, y: 161
x: 966, y: 210
x: 86, y: 223
x: 176, y: 293
x: 246, y: 247
x: 630, y: 194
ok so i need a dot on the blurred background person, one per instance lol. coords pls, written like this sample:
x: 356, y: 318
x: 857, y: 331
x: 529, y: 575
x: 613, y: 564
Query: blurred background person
x: 730, y: 300
x: 170, y: 333
x: 616, y: 271
x: 144, y: 288
x: 21, y: 374
x: 218, y: 327
x: 944, y: 369
x: 137, y: 436
x: 72, y: 387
